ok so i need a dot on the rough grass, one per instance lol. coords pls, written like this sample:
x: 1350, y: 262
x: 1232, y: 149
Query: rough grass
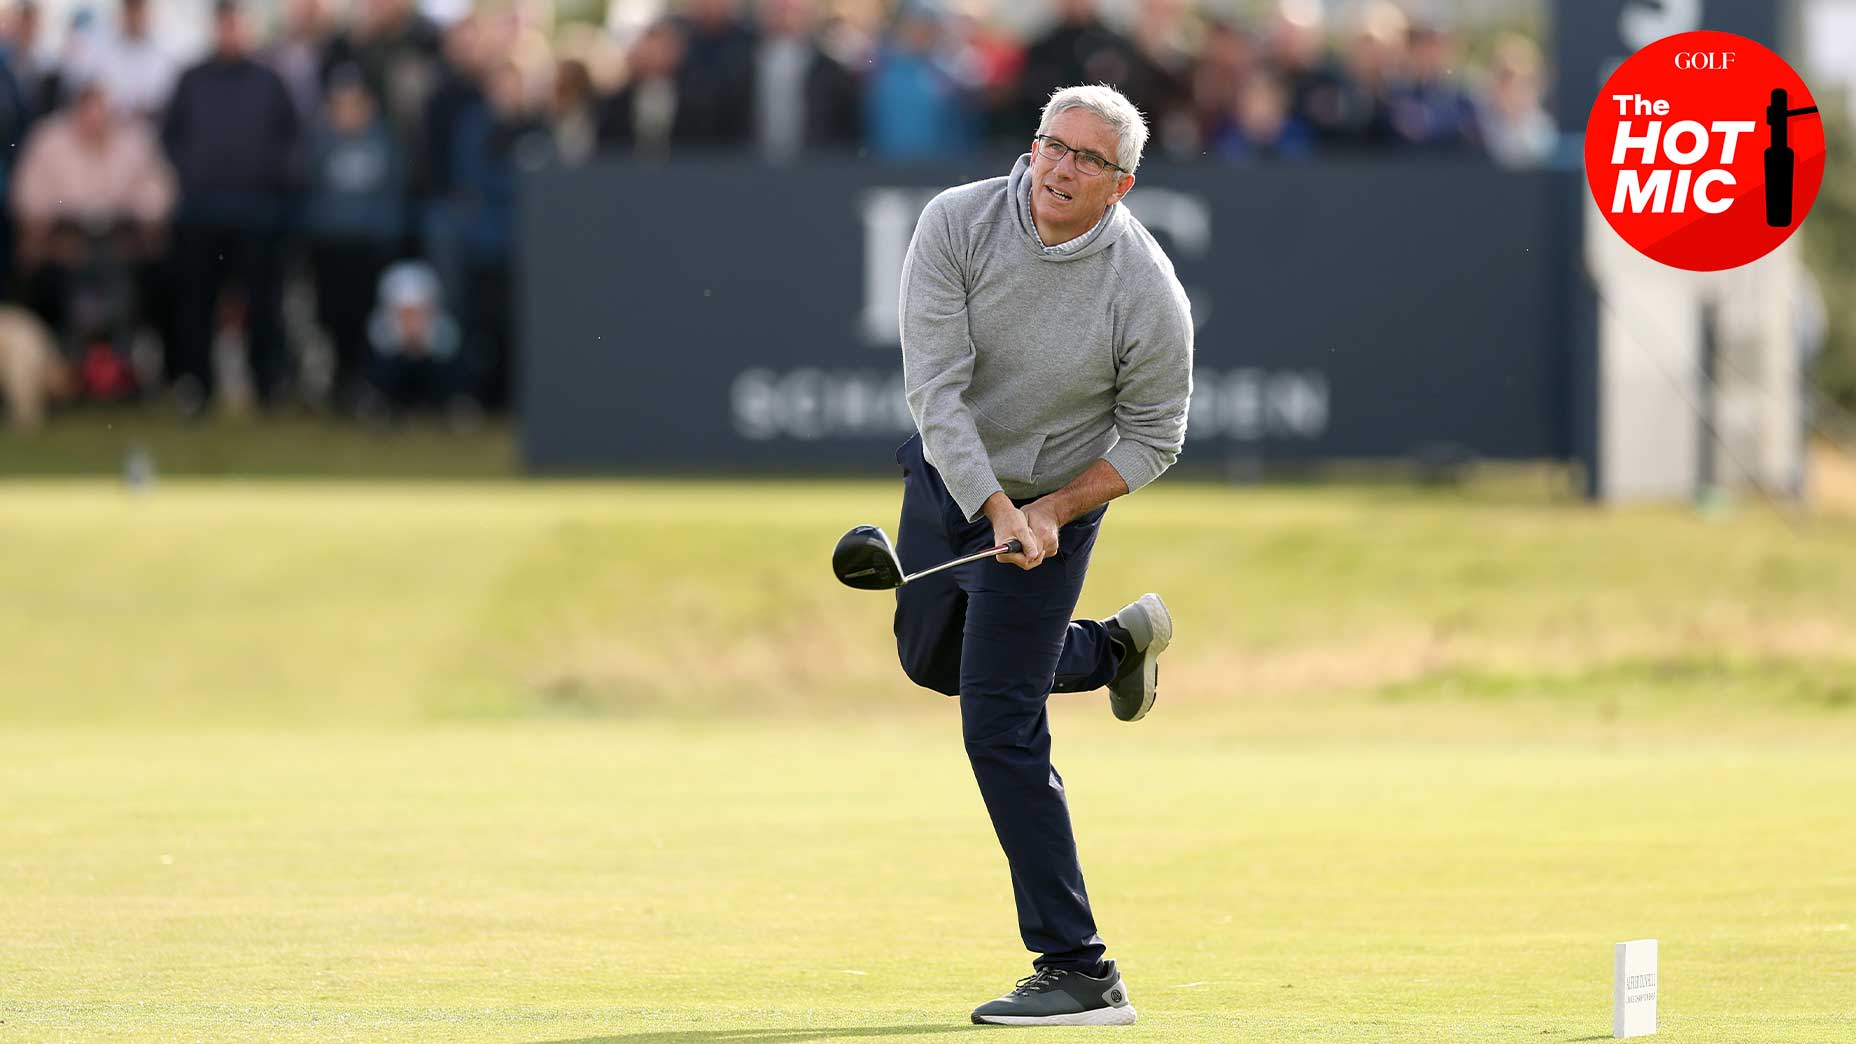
x: 308, y: 601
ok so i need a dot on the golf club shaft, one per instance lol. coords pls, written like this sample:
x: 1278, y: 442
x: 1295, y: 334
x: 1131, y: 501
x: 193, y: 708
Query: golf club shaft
x: 1011, y: 546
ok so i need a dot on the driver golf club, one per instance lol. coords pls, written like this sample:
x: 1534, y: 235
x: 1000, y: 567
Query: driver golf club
x: 865, y: 559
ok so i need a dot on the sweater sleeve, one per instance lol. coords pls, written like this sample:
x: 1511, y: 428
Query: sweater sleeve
x: 937, y: 361
x: 1153, y: 384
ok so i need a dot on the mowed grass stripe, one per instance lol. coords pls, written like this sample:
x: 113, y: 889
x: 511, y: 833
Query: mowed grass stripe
x: 741, y: 880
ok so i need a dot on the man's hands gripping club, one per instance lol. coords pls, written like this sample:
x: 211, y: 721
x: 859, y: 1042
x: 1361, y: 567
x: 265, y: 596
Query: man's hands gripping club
x: 1034, y: 527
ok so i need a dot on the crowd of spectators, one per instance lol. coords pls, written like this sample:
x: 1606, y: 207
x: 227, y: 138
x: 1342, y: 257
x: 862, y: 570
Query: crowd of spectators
x: 163, y: 208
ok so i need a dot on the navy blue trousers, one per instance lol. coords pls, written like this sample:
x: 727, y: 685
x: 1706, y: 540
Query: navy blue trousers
x: 1001, y: 638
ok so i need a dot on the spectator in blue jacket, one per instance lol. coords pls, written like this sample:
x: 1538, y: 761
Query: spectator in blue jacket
x: 923, y: 100
x: 354, y: 217
x: 1261, y: 125
x: 470, y: 236
x: 1433, y: 110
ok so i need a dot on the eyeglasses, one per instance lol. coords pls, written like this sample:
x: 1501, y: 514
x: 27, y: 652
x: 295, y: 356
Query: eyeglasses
x: 1086, y: 162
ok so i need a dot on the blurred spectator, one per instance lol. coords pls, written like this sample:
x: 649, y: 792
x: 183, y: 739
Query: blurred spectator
x: 470, y: 236
x: 1516, y: 128
x: 93, y: 196
x: 1358, y: 113
x: 1160, y: 84
x: 458, y: 90
x: 16, y: 114
x: 415, y: 341
x: 32, y: 376
x: 921, y: 102
x: 407, y: 141
x: 131, y: 63
x: 803, y: 98
x: 300, y: 53
x: 997, y: 61
x: 1318, y: 92
x: 81, y: 37
x: 647, y: 115
x: 851, y: 28
x: 1432, y: 110
x: 1225, y: 61
x: 36, y: 76
x: 354, y: 218
x: 575, y: 112
x: 715, y: 81
x: 397, y: 50
x: 1260, y: 125
x: 1078, y: 49
x: 395, y: 47
x: 233, y: 134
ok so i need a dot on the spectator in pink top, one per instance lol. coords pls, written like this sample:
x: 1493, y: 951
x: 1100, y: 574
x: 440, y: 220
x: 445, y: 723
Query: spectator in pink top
x: 92, y: 195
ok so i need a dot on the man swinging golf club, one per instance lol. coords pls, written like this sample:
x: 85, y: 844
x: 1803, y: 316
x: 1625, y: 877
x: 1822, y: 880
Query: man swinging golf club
x: 1047, y: 357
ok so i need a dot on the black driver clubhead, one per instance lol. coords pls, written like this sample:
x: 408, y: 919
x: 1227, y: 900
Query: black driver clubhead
x: 865, y: 559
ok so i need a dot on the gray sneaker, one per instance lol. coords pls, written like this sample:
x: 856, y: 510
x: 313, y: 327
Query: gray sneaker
x: 1062, y: 997
x: 1146, y: 628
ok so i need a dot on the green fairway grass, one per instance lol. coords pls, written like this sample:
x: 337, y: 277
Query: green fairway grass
x: 618, y: 762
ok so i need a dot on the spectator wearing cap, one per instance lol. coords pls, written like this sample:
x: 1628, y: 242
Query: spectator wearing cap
x: 803, y: 98
x: 416, y: 342
x: 354, y: 217
x: 136, y: 69
x: 233, y: 135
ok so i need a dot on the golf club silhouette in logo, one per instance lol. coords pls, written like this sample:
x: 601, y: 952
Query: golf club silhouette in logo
x: 1780, y: 160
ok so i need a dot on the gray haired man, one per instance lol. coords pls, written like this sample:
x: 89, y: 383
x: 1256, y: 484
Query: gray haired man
x: 1047, y: 356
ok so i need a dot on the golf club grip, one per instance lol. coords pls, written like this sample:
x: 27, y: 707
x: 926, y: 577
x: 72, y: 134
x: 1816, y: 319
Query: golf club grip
x: 1013, y: 547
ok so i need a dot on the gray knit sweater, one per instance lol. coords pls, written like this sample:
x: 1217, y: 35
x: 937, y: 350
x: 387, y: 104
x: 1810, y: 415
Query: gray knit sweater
x: 1025, y: 364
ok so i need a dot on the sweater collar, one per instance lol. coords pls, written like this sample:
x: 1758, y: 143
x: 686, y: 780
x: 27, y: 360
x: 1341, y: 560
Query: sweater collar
x: 1097, y: 239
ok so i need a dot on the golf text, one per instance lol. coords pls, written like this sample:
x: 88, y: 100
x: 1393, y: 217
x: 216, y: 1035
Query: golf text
x: 1671, y: 155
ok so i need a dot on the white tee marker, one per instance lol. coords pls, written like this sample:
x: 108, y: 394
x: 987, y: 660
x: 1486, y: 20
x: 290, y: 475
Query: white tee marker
x: 1633, y: 1008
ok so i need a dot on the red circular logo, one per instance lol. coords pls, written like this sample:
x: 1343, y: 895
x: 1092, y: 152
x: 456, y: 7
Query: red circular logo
x: 1705, y: 151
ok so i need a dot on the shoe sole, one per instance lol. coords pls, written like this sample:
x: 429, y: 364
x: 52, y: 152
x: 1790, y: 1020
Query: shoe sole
x: 1122, y: 1016
x: 1161, y: 620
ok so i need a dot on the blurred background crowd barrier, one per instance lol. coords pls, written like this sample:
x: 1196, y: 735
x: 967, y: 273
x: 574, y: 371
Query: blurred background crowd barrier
x: 665, y: 236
